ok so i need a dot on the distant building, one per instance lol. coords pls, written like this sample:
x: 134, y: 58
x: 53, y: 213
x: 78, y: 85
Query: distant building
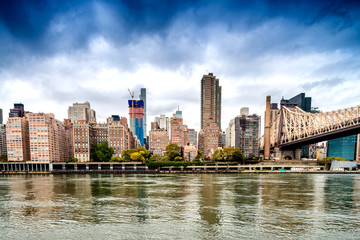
x: 244, y: 133
x: 1, y: 116
x: 210, y: 100
x: 158, y: 138
x: 189, y: 153
x: 300, y: 101
x: 17, y: 111
x: 179, y: 132
x: 81, y: 111
x: 3, y: 139
x: 193, y: 137
x: 210, y: 138
x: 136, y: 113
x: 178, y: 114
x: 143, y: 97
x: 164, y: 123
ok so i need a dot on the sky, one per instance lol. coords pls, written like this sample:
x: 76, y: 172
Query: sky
x: 57, y: 52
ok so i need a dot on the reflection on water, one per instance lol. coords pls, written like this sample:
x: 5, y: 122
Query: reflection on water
x: 204, y: 206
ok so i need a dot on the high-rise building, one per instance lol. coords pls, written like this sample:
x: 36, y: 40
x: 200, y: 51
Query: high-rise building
x: 244, y: 133
x: 210, y: 100
x: 210, y: 138
x: 158, y: 138
x: 193, y: 137
x: 3, y: 139
x: 1, y: 116
x: 17, y: 111
x: 17, y: 139
x: 81, y: 111
x: 179, y: 132
x: 48, y: 138
x: 136, y: 113
x: 143, y: 97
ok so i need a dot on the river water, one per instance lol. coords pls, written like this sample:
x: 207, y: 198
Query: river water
x: 180, y: 206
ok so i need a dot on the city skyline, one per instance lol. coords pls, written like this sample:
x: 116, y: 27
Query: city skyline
x: 56, y: 54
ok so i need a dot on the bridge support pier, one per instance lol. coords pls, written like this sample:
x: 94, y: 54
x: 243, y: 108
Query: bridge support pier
x: 298, y: 154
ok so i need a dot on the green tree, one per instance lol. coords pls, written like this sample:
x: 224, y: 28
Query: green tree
x: 101, y: 152
x: 237, y: 155
x: 3, y: 158
x: 198, y: 156
x: 172, y: 151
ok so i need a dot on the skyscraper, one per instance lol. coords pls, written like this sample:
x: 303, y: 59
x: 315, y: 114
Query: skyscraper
x: 136, y: 113
x: 210, y: 100
x: 143, y: 97
x: 1, y: 116
x: 244, y: 133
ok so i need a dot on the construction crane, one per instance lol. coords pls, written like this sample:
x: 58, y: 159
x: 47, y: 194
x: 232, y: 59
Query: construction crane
x: 132, y: 111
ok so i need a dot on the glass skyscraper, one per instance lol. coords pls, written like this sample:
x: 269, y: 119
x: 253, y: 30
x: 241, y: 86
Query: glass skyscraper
x: 343, y: 147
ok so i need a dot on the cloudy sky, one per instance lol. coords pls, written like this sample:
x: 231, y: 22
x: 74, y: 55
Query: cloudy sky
x: 54, y: 53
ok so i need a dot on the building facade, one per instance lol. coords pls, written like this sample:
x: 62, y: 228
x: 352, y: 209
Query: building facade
x: 3, y: 150
x: 48, y: 139
x: 143, y: 97
x: 210, y: 100
x: 17, y: 111
x: 210, y: 138
x: 17, y: 139
x: 81, y: 111
x: 136, y: 113
x: 344, y: 147
x: 158, y: 138
x: 179, y: 132
x: 244, y: 133
x: 189, y: 153
x: 164, y: 123
x: 193, y: 137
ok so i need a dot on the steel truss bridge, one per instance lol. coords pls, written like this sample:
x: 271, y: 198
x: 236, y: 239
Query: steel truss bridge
x: 292, y: 128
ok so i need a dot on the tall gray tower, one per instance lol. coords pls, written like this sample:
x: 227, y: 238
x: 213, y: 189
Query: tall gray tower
x: 143, y: 97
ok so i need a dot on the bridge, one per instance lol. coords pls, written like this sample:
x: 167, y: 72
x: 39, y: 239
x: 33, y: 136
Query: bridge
x: 290, y: 128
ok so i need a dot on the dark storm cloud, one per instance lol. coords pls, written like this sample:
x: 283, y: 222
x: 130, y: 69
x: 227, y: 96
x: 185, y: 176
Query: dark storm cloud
x: 47, y: 27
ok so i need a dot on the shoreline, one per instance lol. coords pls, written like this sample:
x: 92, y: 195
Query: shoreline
x: 177, y: 172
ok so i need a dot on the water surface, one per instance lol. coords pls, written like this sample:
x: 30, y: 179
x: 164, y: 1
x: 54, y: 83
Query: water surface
x: 175, y: 206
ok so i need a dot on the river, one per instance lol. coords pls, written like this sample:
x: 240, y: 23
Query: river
x: 180, y: 206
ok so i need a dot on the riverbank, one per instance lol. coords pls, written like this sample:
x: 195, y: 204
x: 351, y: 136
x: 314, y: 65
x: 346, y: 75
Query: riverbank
x: 141, y: 168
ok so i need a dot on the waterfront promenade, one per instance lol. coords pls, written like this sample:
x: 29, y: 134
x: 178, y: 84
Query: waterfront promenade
x: 139, y: 167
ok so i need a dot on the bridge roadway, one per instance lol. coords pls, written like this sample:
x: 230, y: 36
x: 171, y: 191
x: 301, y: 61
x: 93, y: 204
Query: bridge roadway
x: 338, y: 133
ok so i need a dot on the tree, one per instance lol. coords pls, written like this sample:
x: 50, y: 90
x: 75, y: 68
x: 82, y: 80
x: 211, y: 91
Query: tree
x: 101, y: 152
x: 72, y: 160
x: 237, y: 155
x: 198, y: 156
x: 3, y: 158
x: 137, y: 156
x: 172, y: 151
